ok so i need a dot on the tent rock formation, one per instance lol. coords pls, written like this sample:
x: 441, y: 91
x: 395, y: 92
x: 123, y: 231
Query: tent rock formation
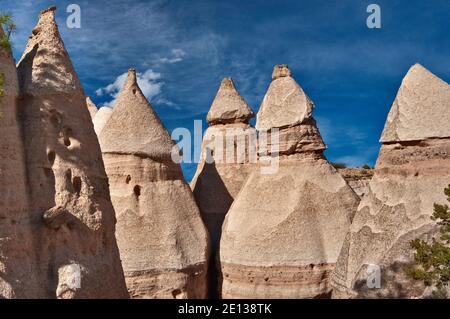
x: 72, y: 216
x: 162, y: 240
x: 283, y: 233
x: 412, y: 170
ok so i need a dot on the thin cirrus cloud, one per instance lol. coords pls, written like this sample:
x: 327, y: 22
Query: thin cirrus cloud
x: 149, y: 82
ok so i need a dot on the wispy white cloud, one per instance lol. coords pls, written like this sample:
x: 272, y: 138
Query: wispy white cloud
x: 149, y: 82
x: 177, y: 55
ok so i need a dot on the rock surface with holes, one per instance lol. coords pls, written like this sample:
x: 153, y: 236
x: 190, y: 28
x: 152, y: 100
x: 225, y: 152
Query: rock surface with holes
x: 228, y: 152
x: 283, y: 233
x: 17, y: 258
x: 72, y: 216
x: 162, y: 240
x: 410, y: 176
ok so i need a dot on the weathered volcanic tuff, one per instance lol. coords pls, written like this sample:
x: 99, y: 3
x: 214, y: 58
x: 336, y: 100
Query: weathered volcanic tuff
x: 219, y: 179
x: 411, y: 172
x: 162, y: 240
x: 72, y: 215
x: 283, y: 233
x: 358, y: 179
x: 101, y: 118
x: 91, y: 107
x: 17, y: 258
x: 228, y: 152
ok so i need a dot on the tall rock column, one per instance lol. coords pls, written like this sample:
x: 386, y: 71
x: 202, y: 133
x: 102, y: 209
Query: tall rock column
x: 283, y: 233
x: 72, y: 215
x: 411, y: 172
x: 17, y: 257
x: 218, y: 179
x: 162, y: 240
x: 228, y: 152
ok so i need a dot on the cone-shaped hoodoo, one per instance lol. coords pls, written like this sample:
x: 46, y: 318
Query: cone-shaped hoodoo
x: 162, y: 239
x: 411, y: 172
x: 228, y: 153
x: 73, y: 218
x: 283, y: 233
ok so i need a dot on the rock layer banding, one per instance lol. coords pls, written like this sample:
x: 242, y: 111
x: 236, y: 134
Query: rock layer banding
x: 283, y: 233
x: 228, y: 152
x: 412, y: 170
x: 72, y: 217
x: 162, y: 239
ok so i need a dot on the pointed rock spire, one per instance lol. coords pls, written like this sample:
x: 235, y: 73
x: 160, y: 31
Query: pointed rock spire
x: 162, y: 240
x: 228, y: 105
x: 228, y: 154
x: 101, y: 118
x: 285, y: 103
x: 73, y: 218
x: 45, y: 66
x: 286, y: 227
x: 91, y: 107
x: 423, y: 98
x: 412, y: 170
x: 133, y: 114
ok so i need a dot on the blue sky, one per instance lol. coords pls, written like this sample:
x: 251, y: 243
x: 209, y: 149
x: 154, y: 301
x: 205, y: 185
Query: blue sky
x: 184, y: 48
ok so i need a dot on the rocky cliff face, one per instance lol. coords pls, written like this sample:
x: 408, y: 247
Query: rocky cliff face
x: 358, y: 179
x: 162, y: 240
x: 72, y: 217
x: 284, y: 231
x: 411, y: 172
x: 17, y: 255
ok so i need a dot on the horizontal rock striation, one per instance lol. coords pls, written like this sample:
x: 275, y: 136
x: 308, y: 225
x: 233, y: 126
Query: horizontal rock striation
x: 410, y: 176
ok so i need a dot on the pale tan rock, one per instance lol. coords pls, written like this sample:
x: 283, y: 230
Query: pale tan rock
x: 285, y: 103
x: 358, y: 179
x: 283, y: 233
x: 226, y: 159
x: 162, y: 240
x: 17, y: 257
x: 409, y: 178
x: 91, y: 107
x: 421, y: 109
x: 228, y: 105
x: 221, y: 172
x: 101, y: 118
x: 72, y: 215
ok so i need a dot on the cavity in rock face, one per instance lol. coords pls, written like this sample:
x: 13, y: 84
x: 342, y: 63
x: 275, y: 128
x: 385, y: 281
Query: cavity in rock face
x: 72, y: 216
x: 411, y: 172
x: 162, y: 239
x: 17, y: 255
x: 228, y: 152
x: 283, y: 233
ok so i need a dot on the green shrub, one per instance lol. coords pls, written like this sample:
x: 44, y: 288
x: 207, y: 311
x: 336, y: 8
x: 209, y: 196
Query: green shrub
x: 433, y: 259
